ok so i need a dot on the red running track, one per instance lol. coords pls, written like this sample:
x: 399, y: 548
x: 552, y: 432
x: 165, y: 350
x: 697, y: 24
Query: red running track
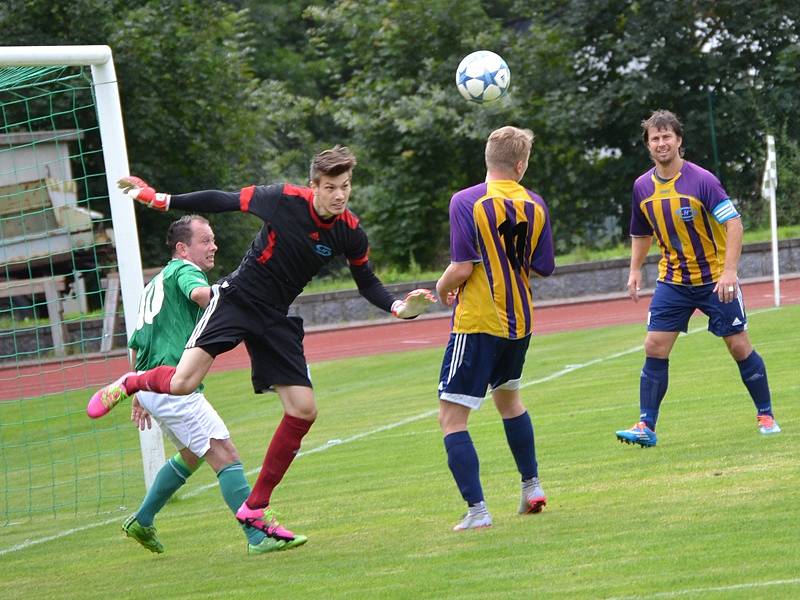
x: 395, y: 336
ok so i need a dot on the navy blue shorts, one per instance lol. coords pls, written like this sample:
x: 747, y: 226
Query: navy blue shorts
x: 672, y: 306
x: 475, y: 362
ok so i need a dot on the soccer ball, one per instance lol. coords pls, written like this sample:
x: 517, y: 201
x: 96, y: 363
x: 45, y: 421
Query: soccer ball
x: 482, y: 77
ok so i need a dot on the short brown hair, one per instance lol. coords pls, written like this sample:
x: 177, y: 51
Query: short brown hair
x: 332, y: 162
x: 662, y: 119
x: 507, y: 146
x: 181, y: 231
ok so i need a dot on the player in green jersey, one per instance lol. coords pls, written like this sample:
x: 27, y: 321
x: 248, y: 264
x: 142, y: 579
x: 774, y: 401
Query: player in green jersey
x: 169, y: 309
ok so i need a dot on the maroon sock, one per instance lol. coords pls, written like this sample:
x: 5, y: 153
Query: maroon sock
x: 280, y: 454
x: 155, y: 380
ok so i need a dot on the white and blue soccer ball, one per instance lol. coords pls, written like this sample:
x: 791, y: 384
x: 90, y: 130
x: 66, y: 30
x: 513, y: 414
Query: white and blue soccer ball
x: 483, y: 76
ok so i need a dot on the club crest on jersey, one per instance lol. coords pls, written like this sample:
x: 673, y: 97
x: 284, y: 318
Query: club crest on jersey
x: 314, y: 235
x: 322, y: 250
x: 686, y: 213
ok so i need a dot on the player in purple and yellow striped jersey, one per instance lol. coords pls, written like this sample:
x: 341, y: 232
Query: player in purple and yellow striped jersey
x: 499, y: 235
x: 699, y: 232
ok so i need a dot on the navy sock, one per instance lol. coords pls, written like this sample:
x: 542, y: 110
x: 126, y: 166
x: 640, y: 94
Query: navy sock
x: 652, y: 389
x: 754, y: 376
x: 519, y: 433
x: 463, y: 462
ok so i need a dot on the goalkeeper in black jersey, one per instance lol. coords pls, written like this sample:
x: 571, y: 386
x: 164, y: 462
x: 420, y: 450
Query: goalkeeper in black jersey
x: 303, y: 229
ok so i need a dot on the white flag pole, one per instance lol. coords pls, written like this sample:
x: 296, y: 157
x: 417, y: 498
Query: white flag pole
x: 769, y: 186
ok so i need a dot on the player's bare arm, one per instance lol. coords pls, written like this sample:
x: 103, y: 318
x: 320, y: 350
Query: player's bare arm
x: 639, y: 248
x: 201, y: 296
x: 451, y: 280
x: 726, y: 287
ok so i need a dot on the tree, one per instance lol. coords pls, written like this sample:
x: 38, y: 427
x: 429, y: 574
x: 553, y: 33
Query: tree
x: 220, y: 94
x: 192, y: 106
x: 417, y: 140
x: 630, y: 57
x: 192, y: 109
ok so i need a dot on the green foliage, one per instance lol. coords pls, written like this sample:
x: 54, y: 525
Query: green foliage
x: 415, y: 138
x: 788, y: 192
x: 220, y: 94
x: 191, y: 106
x: 627, y: 58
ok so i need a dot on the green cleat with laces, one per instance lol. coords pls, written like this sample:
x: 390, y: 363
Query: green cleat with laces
x: 146, y: 536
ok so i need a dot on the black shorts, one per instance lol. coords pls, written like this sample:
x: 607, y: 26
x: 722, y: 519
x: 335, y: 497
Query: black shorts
x: 273, y: 340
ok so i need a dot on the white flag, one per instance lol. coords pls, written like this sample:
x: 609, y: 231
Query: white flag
x: 770, y: 180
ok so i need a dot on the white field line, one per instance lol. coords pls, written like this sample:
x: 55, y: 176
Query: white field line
x: 707, y: 590
x: 60, y: 534
x: 331, y: 443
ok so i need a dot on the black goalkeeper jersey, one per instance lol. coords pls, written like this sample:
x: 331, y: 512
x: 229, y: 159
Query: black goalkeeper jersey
x: 293, y: 243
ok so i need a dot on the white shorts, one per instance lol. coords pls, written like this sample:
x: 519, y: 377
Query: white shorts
x: 188, y: 421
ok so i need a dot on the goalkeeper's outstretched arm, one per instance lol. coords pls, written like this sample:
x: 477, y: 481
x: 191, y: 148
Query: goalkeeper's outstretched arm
x: 208, y: 201
x: 370, y: 287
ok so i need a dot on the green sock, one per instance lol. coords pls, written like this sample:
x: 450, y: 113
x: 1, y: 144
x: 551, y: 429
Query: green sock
x: 235, y: 491
x: 168, y: 480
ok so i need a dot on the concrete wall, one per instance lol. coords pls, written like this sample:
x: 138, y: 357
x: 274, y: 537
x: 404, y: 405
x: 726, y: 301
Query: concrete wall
x: 567, y: 283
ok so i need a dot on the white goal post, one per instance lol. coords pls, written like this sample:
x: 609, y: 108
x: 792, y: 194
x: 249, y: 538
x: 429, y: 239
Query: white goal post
x: 115, y: 156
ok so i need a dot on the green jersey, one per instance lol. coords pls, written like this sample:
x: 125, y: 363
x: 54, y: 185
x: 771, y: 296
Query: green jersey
x: 167, y: 315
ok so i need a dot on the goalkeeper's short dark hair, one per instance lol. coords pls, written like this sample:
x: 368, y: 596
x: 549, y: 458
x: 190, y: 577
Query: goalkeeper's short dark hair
x: 181, y: 231
x: 332, y: 162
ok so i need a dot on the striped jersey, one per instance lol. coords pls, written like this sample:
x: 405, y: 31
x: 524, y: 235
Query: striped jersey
x: 504, y: 229
x: 687, y: 215
x: 167, y: 315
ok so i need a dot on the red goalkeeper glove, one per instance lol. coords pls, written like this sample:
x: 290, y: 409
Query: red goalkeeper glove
x: 415, y: 303
x: 139, y: 190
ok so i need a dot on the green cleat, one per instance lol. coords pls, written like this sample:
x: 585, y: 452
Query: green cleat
x: 146, y: 536
x: 269, y: 544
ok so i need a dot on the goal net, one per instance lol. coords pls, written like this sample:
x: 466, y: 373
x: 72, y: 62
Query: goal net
x: 64, y: 247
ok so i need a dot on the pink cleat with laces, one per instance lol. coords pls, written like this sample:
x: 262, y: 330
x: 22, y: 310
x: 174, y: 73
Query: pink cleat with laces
x: 278, y: 537
x: 106, y: 398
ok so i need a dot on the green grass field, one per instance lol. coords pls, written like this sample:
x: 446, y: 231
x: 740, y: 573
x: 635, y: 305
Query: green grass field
x: 712, y: 512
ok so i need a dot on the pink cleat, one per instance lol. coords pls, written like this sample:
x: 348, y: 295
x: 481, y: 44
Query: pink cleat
x: 264, y: 520
x: 106, y: 398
